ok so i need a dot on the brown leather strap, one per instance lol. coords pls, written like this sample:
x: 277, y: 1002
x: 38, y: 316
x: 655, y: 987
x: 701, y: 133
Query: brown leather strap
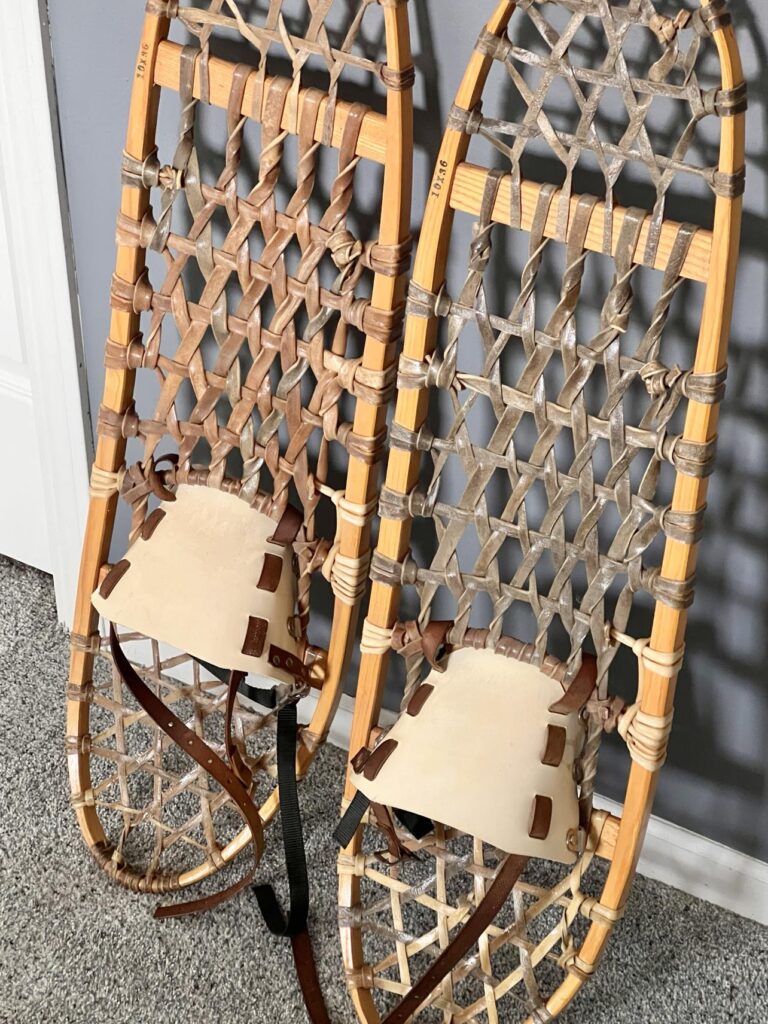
x: 288, y: 528
x: 580, y: 690
x: 419, y: 699
x: 155, y: 481
x: 541, y: 817
x: 113, y: 577
x: 306, y: 971
x: 255, y: 637
x: 408, y: 638
x: 271, y: 571
x: 482, y: 918
x: 288, y: 662
x: 234, y: 756
x: 433, y: 639
x: 151, y: 523
x: 395, y: 850
x: 554, y: 751
x: 208, y: 759
x: 377, y: 758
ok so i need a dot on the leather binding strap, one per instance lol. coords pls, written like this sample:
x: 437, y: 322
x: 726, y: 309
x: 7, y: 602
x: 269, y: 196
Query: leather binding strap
x: 408, y: 638
x: 580, y: 690
x: 208, y: 760
x: 482, y: 918
x: 288, y: 527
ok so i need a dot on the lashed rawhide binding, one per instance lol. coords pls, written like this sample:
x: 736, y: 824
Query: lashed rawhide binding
x: 555, y: 431
x: 252, y: 350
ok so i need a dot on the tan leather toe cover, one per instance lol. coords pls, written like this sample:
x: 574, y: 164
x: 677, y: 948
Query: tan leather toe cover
x: 205, y: 578
x: 482, y: 752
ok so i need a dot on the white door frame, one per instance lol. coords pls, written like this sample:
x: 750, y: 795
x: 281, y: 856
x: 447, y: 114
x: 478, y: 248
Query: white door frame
x: 30, y: 189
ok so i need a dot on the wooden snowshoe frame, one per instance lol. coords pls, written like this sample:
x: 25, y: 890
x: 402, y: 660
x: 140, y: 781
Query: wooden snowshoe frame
x: 395, y: 919
x: 291, y: 321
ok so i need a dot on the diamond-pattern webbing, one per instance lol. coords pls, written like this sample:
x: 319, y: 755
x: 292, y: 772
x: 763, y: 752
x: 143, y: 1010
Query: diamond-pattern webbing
x: 641, y: 518
x: 672, y: 76
x: 269, y: 317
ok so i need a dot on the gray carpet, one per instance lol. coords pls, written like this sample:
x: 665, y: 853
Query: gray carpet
x: 73, y: 948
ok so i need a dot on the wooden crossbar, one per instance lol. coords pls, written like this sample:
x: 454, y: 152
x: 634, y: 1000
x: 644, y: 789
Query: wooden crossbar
x: 373, y: 132
x: 467, y: 195
x: 607, y: 844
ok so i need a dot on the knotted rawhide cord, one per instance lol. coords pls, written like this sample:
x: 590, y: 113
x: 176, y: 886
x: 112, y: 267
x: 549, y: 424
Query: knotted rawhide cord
x: 545, y: 428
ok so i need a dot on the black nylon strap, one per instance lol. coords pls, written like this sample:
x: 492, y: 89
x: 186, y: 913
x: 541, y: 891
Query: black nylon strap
x: 295, y: 925
x: 267, y: 698
x: 293, y: 839
x: 417, y: 824
x: 350, y: 822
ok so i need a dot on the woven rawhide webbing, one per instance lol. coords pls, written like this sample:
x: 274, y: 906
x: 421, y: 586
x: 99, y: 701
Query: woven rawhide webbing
x: 672, y: 76
x: 626, y: 373
x: 649, y: 444
x: 252, y: 350
x: 553, y: 438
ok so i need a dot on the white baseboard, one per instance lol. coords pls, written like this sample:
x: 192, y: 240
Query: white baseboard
x: 702, y: 867
x: 673, y: 855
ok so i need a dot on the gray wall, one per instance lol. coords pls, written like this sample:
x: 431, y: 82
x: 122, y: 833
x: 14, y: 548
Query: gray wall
x: 716, y: 780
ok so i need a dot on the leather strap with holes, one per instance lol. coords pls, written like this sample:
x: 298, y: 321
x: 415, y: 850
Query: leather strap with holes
x: 481, y: 919
x: 209, y: 761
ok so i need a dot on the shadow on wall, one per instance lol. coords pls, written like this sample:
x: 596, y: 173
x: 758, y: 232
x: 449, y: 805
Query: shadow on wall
x: 716, y: 781
x: 716, y: 778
